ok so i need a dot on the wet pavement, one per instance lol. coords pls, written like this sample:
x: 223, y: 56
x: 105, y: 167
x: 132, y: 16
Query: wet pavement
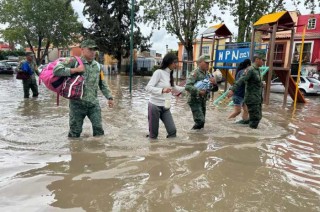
x: 225, y: 167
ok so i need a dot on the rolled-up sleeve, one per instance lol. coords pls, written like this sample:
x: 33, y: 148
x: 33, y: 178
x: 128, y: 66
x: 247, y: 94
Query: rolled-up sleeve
x: 63, y: 68
x: 190, y: 85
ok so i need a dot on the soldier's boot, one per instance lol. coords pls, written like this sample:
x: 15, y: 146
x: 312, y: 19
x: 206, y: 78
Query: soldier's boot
x: 197, y: 126
x: 72, y: 135
x: 243, y: 121
x: 253, y: 124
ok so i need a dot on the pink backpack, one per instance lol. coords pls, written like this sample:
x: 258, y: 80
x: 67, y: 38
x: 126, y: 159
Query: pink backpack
x: 67, y: 87
x: 72, y: 87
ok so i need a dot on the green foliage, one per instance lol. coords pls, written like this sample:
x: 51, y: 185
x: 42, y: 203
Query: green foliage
x: 39, y: 23
x: 180, y: 18
x: 312, y: 5
x: 156, y: 67
x: 110, y: 27
x: 5, y: 54
x: 246, y: 12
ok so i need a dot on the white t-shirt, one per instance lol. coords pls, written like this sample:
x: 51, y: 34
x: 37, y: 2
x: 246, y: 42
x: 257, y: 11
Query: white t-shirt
x: 159, y: 80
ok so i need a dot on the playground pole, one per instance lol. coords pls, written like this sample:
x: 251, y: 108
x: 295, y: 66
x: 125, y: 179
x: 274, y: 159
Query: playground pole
x: 299, y: 69
x: 289, y: 69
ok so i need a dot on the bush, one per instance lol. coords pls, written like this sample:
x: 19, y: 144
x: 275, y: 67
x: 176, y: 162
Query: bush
x: 4, y: 54
x: 155, y: 68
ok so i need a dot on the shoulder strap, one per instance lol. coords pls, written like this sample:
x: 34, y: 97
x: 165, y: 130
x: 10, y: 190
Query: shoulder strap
x: 98, y: 64
x: 78, y: 60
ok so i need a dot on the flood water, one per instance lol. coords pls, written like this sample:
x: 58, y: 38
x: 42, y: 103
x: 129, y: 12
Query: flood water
x: 225, y: 167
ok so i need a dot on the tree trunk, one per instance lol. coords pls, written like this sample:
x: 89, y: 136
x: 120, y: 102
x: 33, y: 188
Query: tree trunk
x: 38, y: 59
x: 190, y: 64
x: 248, y: 33
x: 242, y: 23
x: 119, y: 58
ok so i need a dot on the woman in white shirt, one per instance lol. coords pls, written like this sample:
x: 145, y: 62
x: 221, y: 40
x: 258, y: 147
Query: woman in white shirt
x: 160, y: 87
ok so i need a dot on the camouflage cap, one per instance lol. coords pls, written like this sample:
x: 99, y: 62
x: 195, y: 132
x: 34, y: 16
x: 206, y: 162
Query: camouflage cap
x: 89, y: 44
x: 205, y: 58
x: 260, y: 55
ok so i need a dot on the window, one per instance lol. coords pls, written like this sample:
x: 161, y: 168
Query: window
x: 306, y: 55
x: 311, y: 23
x: 279, y: 52
x: 185, y: 54
x: 64, y: 53
x: 205, y: 50
x: 301, y: 79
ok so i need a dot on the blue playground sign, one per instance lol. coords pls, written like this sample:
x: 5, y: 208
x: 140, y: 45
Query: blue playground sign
x: 232, y: 55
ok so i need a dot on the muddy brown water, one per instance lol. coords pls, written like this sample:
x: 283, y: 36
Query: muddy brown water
x: 225, y: 167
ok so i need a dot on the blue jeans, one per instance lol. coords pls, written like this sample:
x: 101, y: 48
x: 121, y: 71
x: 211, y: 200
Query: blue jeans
x: 238, y: 100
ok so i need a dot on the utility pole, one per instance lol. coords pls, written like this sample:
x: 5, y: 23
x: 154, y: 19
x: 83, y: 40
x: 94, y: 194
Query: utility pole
x: 131, y: 46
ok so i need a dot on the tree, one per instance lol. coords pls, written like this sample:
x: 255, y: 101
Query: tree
x: 246, y: 12
x: 39, y: 23
x: 180, y: 18
x: 309, y: 4
x: 111, y: 27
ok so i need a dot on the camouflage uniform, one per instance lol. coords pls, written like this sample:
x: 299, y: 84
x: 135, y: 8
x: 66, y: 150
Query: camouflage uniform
x: 89, y: 104
x: 30, y: 83
x: 253, y: 94
x: 196, y: 102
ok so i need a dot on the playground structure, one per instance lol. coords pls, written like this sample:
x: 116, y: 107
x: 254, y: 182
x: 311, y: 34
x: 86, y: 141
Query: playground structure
x: 273, y: 23
x: 236, y: 52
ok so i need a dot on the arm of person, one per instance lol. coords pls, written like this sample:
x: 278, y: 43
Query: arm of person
x: 65, y: 68
x: 26, y: 68
x: 151, y: 86
x: 213, y: 84
x: 178, y: 88
x: 190, y: 85
x: 105, y: 90
x: 243, y: 79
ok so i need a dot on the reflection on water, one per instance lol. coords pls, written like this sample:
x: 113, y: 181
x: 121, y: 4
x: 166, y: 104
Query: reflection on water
x: 225, y: 167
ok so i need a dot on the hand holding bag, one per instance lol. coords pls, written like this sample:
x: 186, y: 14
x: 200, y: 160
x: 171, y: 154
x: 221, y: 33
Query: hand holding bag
x: 21, y: 75
x: 72, y: 87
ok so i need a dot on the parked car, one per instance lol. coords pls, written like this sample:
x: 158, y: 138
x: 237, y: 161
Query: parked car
x: 5, y: 68
x: 14, y: 65
x: 307, y: 85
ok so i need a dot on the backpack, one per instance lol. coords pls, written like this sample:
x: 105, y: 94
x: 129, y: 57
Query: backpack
x: 68, y: 87
x: 72, y: 87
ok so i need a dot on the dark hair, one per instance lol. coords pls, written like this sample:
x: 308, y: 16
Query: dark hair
x: 167, y: 60
x: 244, y: 64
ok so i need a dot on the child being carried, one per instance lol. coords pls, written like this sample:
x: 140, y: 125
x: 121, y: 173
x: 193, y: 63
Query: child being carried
x: 205, y: 84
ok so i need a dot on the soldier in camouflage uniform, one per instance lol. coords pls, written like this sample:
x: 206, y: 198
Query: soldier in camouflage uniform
x: 30, y: 67
x: 198, y: 98
x: 89, y: 104
x: 253, y: 90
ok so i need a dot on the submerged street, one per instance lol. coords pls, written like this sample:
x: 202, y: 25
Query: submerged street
x: 225, y: 167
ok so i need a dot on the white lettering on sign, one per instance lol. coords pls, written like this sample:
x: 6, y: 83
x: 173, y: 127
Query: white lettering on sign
x: 227, y: 54
x: 235, y: 55
x: 244, y: 55
x: 220, y: 55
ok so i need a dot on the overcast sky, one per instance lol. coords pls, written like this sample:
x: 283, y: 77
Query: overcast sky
x: 161, y: 38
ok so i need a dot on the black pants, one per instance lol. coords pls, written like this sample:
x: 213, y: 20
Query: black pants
x: 30, y: 84
x: 155, y: 113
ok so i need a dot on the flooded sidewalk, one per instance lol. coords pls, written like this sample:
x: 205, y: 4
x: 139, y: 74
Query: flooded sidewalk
x: 225, y: 167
